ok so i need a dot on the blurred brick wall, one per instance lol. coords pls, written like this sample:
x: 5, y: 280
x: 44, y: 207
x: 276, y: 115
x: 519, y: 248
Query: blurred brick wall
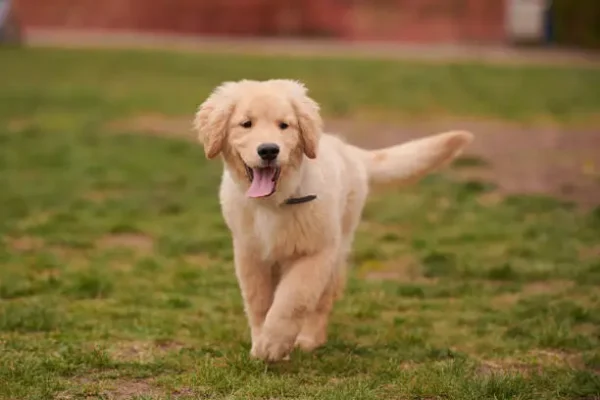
x: 428, y: 20
x: 402, y: 20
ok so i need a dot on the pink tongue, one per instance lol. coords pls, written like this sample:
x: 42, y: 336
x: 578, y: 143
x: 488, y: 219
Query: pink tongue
x: 262, y: 183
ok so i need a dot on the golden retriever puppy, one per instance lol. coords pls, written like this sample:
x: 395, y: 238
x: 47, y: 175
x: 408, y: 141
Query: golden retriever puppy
x: 292, y: 197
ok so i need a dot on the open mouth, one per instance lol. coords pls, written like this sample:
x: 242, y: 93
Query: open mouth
x: 263, y: 180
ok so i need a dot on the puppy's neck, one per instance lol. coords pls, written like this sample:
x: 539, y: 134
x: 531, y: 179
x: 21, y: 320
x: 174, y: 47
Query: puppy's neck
x: 290, y: 185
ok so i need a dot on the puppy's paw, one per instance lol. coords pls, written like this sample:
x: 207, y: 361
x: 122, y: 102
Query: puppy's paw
x: 272, y: 348
x: 306, y: 343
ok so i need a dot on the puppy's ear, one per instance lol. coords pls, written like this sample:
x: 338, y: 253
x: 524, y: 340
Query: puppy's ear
x: 213, y: 116
x: 311, y: 124
x: 307, y: 112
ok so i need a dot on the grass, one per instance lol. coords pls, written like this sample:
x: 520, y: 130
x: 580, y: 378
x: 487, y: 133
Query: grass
x: 118, y: 82
x: 116, y: 277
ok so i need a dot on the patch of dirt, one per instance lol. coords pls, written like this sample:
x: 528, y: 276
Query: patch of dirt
x: 506, y: 300
x: 18, y: 125
x: 536, y: 160
x: 556, y: 286
x: 63, y: 253
x: 505, y: 367
x: 25, y: 243
x: 99, y: 386
x: 122, y: 389
x: 533, y: 361
x: 157, y: 124
x: 590, y: 253
x: 384, y: 276
x: 183, y: 392
x: 135, y: 241
x: 106, y: 386
x: 142, y: 351
x: 532, y: 289
x: 98, y: 196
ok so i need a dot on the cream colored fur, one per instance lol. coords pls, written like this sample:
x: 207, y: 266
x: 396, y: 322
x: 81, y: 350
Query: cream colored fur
x: 290, y: 260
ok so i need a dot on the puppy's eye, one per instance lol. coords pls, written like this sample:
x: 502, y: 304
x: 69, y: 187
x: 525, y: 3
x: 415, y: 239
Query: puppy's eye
x: 247, y: 124
x: 283, y: 125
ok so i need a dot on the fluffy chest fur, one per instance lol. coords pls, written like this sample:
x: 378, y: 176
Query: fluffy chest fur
x: 279, y: 233
x: 292, y: 231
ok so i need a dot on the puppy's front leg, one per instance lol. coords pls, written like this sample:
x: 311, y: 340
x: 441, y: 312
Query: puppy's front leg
x: 256, y: 284
x: 297, y: 294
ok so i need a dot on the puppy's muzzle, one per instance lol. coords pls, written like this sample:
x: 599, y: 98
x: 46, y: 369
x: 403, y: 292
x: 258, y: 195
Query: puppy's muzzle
x: 268, y: 151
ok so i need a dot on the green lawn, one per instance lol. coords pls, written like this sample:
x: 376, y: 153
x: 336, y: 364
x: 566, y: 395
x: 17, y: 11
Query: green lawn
x: 115, y: 266
x: 118, y: 82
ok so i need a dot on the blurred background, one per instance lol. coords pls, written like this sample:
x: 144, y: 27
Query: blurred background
x: 479, y: 282
x: 544, y: 22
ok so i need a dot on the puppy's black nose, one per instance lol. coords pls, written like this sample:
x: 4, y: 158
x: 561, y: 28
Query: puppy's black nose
x: 268, y: 151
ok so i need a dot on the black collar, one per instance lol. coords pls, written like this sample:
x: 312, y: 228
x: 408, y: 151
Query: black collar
x: 299, y: 200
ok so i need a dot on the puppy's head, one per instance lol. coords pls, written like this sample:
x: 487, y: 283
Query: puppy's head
x: 262, y: 129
